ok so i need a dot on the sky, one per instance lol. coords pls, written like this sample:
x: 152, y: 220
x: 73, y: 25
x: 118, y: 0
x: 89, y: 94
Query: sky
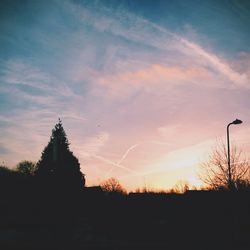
x: 144, y: 88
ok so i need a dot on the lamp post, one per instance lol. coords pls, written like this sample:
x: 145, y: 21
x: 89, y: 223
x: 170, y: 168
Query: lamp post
x: 235, y: 122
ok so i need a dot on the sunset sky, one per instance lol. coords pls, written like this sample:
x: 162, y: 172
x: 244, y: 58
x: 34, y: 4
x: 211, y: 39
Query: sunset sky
x: 143, y: 87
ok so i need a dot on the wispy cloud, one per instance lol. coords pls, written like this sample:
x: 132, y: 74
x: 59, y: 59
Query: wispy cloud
x: 92, y: 145
x: 17, y: 72
x: 137, y: 29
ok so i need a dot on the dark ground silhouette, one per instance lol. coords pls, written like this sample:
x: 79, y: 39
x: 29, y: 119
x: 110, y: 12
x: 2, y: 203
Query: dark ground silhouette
x: 33, y: 217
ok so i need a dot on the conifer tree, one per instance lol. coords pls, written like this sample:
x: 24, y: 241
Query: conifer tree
x: 58, y: 164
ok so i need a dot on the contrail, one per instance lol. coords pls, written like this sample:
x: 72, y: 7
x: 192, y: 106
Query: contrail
x: 138, y: 144
x: 122, y: 158
x: 118, y: 164
x: 114, y: 163
x: 127, y: 152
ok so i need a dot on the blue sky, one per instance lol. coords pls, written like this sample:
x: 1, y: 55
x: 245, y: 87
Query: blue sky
x: 143, y: 87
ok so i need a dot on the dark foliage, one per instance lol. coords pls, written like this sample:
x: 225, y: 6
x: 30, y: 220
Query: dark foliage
x: 58, y: 166
x: 26, y: 168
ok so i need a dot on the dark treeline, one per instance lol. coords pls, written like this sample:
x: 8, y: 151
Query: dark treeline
x: 47, y: 206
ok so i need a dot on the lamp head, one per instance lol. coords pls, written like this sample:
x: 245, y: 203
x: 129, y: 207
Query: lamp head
x: 237, y: 121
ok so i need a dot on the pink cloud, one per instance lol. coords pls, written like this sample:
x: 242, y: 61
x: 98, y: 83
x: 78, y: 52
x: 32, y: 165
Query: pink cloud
x: 155, y: 77
x: 157, y: 72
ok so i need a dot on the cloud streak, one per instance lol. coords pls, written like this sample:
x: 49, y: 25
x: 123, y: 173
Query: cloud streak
x: 139, y: 30
x: 238, y: 79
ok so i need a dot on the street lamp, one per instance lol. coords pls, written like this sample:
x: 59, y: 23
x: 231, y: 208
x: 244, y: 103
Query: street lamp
x: 235, y: 122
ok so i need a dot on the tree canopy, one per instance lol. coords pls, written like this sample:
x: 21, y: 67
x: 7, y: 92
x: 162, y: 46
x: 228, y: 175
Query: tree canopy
x: 26, y: 167
x: 58, y: 164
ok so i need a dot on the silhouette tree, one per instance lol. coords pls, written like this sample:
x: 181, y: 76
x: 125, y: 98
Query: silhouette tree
x: 26, y: 168
x: 112, y: 185
x: 215, y: 169
x: 58, y: 165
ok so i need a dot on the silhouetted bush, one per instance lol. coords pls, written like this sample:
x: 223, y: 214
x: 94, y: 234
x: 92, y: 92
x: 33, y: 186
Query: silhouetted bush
x: 113, y: 186
x: 26, y: 168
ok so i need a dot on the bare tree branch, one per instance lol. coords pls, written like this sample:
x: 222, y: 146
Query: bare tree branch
x: 215, y: 170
